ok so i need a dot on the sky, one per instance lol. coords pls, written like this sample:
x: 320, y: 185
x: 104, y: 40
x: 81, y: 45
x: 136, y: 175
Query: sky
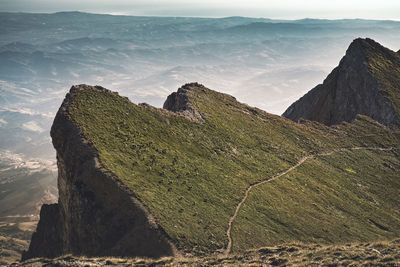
x: 282, y: 9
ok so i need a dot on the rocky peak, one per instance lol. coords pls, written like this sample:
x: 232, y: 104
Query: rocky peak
x: 356, y: 48
x: 358, y: 52
x: 359, y: 85
x: 359, y: 45
x: 181, y: 101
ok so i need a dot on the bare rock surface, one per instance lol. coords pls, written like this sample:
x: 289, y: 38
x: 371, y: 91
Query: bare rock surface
x: 179, y: 102
x: 352, y: 88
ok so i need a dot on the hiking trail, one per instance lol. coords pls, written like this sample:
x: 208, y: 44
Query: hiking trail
x: 300, y: 162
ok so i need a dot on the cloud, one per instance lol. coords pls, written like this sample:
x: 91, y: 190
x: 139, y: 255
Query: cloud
x: 32, y: 126
x: 16, y: 161
x: 27, y: 111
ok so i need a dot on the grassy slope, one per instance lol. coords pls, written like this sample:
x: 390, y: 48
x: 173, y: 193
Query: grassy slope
x: 385, y: 66
x: 192, y: 175
x: 330, y: 199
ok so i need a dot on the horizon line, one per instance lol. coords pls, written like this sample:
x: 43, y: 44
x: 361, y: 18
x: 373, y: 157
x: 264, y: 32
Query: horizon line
x: 123, y: 14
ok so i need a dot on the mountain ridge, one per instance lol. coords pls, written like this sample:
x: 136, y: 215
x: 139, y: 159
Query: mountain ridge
x: 185, y: 171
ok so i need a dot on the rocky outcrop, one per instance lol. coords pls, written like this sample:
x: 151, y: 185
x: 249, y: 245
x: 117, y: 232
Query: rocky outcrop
x: 179, y: 102
x: 96, y: 214
x: 353, y: 88
x: 46, y: 241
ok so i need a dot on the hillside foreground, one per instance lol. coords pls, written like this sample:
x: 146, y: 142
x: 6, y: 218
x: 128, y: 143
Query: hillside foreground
x: 296, y: 254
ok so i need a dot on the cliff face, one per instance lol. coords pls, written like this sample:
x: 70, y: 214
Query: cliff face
x: 96, y: 214
x: 367, y: 82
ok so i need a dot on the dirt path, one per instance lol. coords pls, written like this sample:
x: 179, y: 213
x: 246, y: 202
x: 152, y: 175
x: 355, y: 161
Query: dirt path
x: 301, y: 161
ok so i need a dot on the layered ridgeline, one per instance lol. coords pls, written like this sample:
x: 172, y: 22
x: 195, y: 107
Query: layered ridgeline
x: 367, y: 81
x: 211, y: 175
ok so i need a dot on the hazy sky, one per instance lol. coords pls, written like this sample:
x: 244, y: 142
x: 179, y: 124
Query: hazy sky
x: 285, y: 9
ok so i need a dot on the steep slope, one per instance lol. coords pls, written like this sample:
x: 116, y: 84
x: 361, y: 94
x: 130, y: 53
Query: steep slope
x: 367, y: 81
x: 186, y: 171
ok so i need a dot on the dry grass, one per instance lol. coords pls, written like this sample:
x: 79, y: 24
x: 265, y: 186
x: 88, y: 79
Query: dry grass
x: 383, y: 253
